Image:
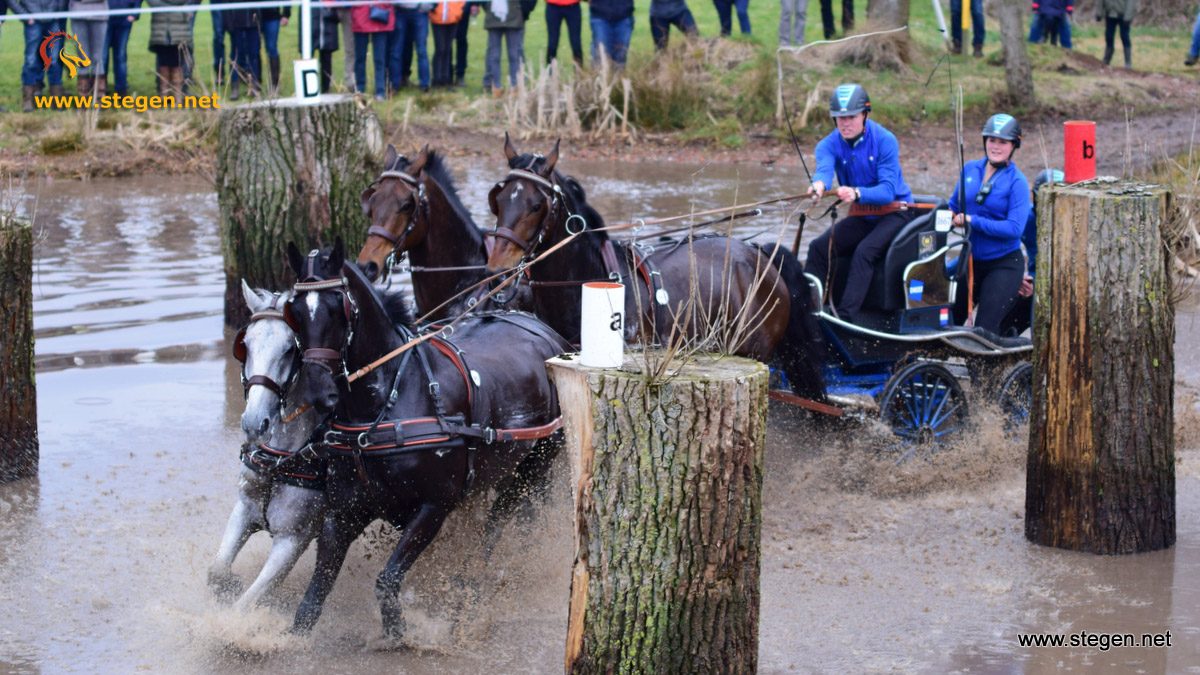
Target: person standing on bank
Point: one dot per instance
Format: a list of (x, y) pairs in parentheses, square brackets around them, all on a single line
[(92, 32), (865, 159), (977, 29), (667, 13), (827, 17), (725, 10), (117, 45), (612, 28), (558, 11), (995, 203), (1117, 14), (274, 18), (33, 72), (444, 20), (793, 14)]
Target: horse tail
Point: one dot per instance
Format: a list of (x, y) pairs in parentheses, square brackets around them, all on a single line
[(799, 354)]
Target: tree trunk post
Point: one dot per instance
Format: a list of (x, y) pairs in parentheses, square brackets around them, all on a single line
[(18, 388), (1018, 73), (1101, 467), (288, 171), (667, 480)]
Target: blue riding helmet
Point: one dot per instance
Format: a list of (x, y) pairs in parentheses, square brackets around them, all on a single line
[(1047, 176), (849, 99)]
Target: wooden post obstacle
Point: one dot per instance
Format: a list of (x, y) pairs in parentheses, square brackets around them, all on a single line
[(18, 388), (290, 171), (667, 480), (1101, 464)]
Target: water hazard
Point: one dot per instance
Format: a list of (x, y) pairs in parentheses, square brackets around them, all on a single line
[(866, 566)]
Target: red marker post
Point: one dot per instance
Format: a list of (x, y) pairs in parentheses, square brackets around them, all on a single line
[(1079, 151)]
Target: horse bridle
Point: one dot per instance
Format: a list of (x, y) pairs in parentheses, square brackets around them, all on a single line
[(418, 190), (239, 352), (323, 356), (552, 192)]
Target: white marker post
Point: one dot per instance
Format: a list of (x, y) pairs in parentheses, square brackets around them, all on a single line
[(307, 71), (602, 329)]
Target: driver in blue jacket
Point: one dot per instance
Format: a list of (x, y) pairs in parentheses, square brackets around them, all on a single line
[(865, 159), (996, 206)]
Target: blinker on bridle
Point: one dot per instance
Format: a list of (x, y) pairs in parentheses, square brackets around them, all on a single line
[(552, 192), (324, 356), (239, 353)]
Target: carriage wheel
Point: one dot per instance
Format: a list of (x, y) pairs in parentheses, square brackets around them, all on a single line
[(923, 404), (1015, 396)]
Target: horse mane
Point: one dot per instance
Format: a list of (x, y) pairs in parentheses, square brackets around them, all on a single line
[(395, 304), (435, 166), (573, 193)]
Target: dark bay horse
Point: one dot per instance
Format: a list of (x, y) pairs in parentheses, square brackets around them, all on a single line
[(757, 297), (414, 209), (414, 437)]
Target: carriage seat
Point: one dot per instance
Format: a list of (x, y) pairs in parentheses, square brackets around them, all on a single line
[(887, 293)]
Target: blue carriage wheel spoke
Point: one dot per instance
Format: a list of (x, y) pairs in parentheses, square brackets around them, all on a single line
[(937, 418), (943, 418)]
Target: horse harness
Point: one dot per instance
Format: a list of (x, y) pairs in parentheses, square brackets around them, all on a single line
[(552, 192), (239, 352), (422, 206)]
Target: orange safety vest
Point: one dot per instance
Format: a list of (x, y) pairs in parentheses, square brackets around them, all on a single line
[(447, 13)]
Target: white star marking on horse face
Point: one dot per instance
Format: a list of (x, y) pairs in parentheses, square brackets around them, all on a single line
[(516, 191), (311, 299)]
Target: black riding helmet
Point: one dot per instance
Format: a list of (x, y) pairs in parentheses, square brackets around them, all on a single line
[(849, 99), (1004, 127)]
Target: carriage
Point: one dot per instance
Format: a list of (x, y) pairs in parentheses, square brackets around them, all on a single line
[(903, 358)]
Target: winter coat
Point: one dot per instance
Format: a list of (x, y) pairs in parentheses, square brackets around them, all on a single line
[(88, 6), (123, 4), (1118, 9), (36, 6), (998, 223), (1053, 8), (325, 27), (612, 10), (360, 19), (238, 19), (275, 13), (514, 18), (170, 28), (447, 13), (872, 165)]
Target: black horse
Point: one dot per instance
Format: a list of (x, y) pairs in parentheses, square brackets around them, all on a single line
[(414, 208), (413, 437), (756, 298)]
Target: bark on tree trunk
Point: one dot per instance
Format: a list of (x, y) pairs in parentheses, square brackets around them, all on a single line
[(668, 513), (290, 172), (1101, 469), (18, 390), (1018, 74), (888, 13)]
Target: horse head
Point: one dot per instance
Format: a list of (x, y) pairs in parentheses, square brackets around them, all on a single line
[(391, 204), (270, 361), (526, 204), (322, 313)]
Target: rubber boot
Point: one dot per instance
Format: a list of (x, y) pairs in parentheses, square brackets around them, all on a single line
[(177, 85), (163, 81), (977, 51), (1129, 57), (235, 90), (27, 93), (83, 86), (274, 66), (101, 88), (57, 90), (1108, 52), (955, 48)]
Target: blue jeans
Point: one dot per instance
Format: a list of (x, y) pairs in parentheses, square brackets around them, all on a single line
[(245, 53), (414, 26), (977, 29), (218, 43), (119, 28), (660, 27), (613, 36), (723, 15), (514, 40), (1044, 24), (378, 42), (1195, 51), (270, 33), (33, 69)]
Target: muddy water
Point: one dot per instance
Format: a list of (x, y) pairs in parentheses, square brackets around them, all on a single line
[(865, 566)]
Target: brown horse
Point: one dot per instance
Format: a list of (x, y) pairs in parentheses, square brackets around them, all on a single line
[(701, 286), (415, 210)]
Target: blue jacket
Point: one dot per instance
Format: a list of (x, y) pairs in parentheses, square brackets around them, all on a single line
[(998, 223), (872, 165)]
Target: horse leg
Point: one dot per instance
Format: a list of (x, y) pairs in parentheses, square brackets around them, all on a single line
[(332, 545), (294, 516), (244, 520), (418, 533)]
